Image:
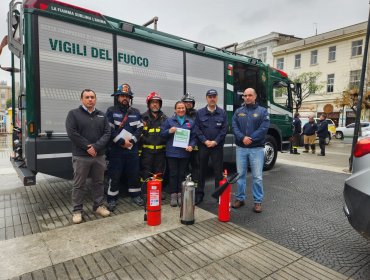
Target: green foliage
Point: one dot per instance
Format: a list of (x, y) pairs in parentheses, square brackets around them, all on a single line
[(309, 86), (8, 103)]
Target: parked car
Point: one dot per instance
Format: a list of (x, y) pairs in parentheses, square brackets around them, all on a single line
[(331, 128), (343, 131), (357, 189)]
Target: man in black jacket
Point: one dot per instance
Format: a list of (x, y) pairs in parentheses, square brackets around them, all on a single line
[(297, 130), (322, 132), (89, 132)]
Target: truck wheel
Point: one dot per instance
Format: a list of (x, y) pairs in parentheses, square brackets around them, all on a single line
[(270, 152)]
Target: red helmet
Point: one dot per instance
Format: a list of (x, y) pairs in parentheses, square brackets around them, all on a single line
[(153, 96)]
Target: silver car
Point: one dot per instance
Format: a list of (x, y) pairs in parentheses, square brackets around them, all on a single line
[(357, 189)]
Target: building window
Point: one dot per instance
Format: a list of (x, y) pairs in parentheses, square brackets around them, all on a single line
[(262, 54), (357, 48), (330, 83), (314, 57), (332, 53), (250, 53), (354, 79), (280, 63), (297, 61)]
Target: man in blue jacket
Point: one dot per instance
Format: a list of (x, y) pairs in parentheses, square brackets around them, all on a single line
[(211, 128), (322, 132), (250, 125), (126, 128)]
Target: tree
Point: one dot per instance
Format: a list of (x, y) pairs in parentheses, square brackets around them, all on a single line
[(8, 103), (349, 99), (309, 86)]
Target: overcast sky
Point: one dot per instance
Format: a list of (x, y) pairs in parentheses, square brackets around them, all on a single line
[(222, 22)]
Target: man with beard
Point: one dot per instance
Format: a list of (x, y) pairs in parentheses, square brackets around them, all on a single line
[(126, 128), (153, 146)]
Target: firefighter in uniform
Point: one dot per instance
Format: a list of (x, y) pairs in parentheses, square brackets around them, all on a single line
[(153, 146), (189, 102), (126, 128)]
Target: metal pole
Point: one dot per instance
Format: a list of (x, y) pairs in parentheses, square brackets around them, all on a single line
[(154, 21), (360, 94)]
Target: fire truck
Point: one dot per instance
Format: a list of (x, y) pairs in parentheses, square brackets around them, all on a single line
[(60, 49)]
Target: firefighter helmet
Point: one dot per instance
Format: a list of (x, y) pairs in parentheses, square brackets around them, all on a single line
[(188, 98), (124, 89), (153, 96)]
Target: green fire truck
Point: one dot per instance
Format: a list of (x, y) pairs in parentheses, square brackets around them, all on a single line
[(59, 49)]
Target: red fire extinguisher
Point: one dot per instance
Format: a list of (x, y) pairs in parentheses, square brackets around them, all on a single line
[(154, 201), (224, 200)]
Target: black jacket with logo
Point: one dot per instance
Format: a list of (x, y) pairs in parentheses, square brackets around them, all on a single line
[(84, 128)]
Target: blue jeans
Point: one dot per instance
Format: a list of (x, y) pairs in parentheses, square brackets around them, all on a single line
[(255, 157)]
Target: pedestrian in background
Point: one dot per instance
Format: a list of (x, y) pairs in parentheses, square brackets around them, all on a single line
[(309, 135), (89, 131), (250, 125), (211, 128), (126, 128), (177, 157), (322, 132), (297, 130)]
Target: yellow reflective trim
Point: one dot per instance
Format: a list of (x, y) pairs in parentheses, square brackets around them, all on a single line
[(152, 147), (157, 130), (151, 130), (145, 128)]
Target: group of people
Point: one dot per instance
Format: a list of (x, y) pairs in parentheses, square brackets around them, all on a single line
[(139, 145), (311, 130)]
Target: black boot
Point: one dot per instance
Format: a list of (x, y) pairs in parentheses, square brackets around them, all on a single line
[(306, 148), (296, 151), (313, 148)]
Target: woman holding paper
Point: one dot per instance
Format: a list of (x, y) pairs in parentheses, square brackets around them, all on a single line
[(179, 132)]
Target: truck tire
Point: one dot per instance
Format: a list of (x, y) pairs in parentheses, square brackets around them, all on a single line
[(270, 152)]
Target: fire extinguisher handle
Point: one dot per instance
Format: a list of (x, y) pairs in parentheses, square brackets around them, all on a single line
[(232, 179)]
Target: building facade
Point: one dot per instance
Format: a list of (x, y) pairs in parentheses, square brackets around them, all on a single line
[(337, 55), (262, 47), (5, 94)]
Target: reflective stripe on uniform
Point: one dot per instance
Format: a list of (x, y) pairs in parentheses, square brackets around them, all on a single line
[(152, 147), (134, 190), (111, 125), (109, 192), (152, 130)]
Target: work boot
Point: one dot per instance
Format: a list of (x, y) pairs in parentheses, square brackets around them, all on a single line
[(102, 211), (237, 204), (137, 200), (306, 148), (295, 151), (179, 199), (313, 148), (112, 205), (77, 217), (257, 208), (173, 201)]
